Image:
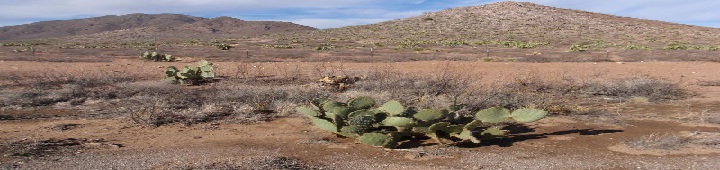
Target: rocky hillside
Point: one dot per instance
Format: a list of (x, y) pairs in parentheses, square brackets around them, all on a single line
[(145, 25), (521, 21)]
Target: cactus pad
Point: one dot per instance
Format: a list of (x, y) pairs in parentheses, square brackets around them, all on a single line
[(528, 115), (399, 122), (445, 127), (317, 103), (468, 135), (473, 125), (331, 105), (324, 124), (428, 115), (493, 115), (357, 113), (493, 131), (307, 111), (420, 129), (361, 103), (356, 130), (342, 111), (378, 139), (393, 107)]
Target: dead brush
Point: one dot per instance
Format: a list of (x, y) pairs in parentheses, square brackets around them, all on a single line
[(709, 83), (676, 141), (50, 89), (338, 83), (656, 141), (654, 89)]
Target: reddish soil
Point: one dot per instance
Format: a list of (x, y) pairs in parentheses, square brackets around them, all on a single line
[(558, 142)]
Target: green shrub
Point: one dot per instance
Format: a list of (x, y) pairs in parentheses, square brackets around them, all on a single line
[(708, 48), (635, 47), (277, 46), (678, 45), (521, 44), (453, 43), (579, 48), (325, 47), (591, 45)]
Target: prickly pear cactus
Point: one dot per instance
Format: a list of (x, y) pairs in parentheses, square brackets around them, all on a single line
[(154, 56), (191, 75), (391, 123)]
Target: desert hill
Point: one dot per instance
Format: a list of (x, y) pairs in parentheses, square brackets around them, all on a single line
[(145, 25), (503, 24), (522, 21)]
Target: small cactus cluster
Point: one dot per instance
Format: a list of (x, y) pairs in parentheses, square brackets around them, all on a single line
[(223, 46), (387, 125), (154, 56), (191, 75), (338, 82)]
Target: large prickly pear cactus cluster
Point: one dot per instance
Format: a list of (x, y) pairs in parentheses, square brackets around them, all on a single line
[(391, 123), (154, 56), (191, 75)]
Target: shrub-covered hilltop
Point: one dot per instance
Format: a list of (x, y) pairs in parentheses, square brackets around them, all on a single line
[(516, 25)]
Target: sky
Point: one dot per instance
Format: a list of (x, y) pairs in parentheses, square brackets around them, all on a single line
[(338, 13)]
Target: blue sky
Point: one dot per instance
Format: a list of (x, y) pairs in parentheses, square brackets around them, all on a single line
[(338, 13)]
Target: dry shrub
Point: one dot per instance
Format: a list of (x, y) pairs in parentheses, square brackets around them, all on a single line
[(228, 101), (52, 88), (562, 95), (676, 141), (648, 87), (655, 141), (161, 103), (447, 86), (709, 83)]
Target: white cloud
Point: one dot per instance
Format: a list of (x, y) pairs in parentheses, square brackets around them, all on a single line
[(379, 16), (18, 11), (333, 23), (68, 8)]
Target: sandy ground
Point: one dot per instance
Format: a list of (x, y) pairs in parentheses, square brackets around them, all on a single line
[(560, 142)]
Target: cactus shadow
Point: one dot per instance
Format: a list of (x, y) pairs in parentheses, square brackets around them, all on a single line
[(6, 117), (516, 134), (414, 142)]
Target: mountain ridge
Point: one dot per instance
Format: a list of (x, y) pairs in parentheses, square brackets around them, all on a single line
[(179, 23), (523, 21), (474, 25)]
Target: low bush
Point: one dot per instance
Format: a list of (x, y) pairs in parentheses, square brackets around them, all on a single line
[(640, 86)]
